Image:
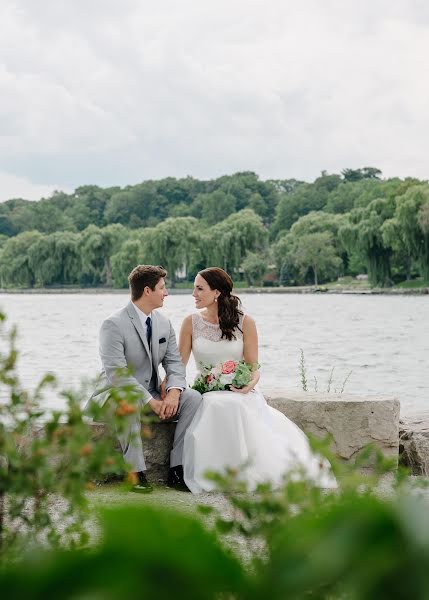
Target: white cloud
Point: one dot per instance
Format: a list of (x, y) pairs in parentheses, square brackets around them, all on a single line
[(107, 93), (12, 186)]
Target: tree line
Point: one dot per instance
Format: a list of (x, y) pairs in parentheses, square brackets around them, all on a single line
[(281, 231)]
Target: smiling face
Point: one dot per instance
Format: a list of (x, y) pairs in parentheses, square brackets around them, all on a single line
[(155, 297), (203, 294)]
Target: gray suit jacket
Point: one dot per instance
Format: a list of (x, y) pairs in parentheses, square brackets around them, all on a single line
[(123, 344)]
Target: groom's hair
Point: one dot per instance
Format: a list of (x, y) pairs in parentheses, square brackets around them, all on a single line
[(142, 276)]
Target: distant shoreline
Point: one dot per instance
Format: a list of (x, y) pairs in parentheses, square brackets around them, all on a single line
[(253, 290)]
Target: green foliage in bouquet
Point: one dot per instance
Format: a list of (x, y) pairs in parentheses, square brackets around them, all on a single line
[(212, 378), (200, 384), (242, 375)]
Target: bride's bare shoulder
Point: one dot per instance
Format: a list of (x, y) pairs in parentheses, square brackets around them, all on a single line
[(187, 323), (248, 322)]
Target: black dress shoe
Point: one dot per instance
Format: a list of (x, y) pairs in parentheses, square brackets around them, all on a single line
[(175, 479), (142, 486)]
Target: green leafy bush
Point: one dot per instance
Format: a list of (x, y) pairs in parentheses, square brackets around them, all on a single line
[(47, 460)]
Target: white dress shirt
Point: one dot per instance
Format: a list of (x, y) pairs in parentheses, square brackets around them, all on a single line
[(143, 316)]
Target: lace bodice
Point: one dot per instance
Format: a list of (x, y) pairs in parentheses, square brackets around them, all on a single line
[(208, 346), (211, 331)]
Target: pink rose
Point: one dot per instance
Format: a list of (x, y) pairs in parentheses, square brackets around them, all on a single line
[(209, 378), (228, 367)]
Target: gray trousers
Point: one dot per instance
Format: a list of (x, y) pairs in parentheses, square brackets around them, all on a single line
[(130, 435)]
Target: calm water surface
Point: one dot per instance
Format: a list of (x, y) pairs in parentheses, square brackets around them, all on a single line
[(383, 340)]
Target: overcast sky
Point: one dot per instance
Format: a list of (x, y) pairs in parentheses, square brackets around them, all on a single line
[(114, 92)]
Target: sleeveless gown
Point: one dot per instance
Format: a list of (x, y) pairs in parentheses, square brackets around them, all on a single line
[(231, 429)]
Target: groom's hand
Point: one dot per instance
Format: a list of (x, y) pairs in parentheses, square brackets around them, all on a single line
[(156, 406), (170, 405)]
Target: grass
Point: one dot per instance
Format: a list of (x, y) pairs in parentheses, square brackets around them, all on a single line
[(115, 494), (347, 283), (413, 284)]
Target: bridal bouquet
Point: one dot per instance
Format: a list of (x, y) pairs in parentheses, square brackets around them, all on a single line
[(222, 376)]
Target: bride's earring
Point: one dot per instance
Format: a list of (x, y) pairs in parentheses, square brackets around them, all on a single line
[(215, 299)]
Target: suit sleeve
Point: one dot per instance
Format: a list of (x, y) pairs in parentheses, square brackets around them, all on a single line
[(173, 365), (112, 353)]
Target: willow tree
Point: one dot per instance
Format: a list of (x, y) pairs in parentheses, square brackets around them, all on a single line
[(228, 242), (98, 245), (362, 232), (173, 244), (15, 268), (131, 253), (423, 219), (55, 259), (408, 230), (254, 267)]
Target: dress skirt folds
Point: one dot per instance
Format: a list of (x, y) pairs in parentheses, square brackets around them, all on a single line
[(241, 431)]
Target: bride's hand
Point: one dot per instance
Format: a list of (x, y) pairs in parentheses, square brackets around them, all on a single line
[(249, 387)]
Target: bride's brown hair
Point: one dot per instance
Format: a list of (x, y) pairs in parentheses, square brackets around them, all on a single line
[(229, 305)]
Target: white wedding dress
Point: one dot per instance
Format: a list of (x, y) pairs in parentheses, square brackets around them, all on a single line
[(240, 430)]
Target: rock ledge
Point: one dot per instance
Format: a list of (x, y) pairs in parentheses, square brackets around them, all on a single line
[(353, 421)]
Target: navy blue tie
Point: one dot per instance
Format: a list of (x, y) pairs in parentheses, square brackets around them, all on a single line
[(149, 330)]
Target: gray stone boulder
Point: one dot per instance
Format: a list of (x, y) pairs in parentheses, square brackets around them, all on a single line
[(353, 421), (414, 443), (157, 441)]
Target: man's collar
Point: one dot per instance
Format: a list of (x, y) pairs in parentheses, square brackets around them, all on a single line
[(141, 312)]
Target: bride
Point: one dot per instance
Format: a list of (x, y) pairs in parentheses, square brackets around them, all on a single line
[(237, 427)]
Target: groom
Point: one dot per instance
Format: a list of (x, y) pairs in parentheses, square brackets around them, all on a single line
[(140, 338)]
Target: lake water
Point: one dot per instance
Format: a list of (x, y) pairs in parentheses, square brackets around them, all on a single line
[(383, 340)]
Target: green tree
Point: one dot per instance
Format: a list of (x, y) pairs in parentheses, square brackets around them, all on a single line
[(173, 244), (318, 222), (315, 251), (313, 222), (407, 230), (123, 207), (264, 204), (358, 174), (15, 268), (287, 273), (44, 216), (130, 254), (227, 243), (7, 227), (363, 233), (243, 186), (352, 194), (55, 259), (306, 198), (254, 267), (213, 207), (178, 191), (137, 206), (94, 199), (97, 247)]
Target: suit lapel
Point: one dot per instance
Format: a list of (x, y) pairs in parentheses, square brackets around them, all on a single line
[(135, 319)]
